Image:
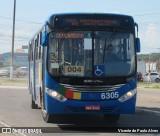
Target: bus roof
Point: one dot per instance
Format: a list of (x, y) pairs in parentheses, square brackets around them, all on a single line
[(61, 16), (92, 14)]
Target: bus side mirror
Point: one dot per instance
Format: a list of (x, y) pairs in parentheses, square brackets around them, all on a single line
[(138, 45), (43, 39)]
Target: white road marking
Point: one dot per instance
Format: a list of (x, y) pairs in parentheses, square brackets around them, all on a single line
[(10, 127), (4, 124)]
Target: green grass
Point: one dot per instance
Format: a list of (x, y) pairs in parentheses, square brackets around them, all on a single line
[(13, 82), (23, 82), (149, 85)]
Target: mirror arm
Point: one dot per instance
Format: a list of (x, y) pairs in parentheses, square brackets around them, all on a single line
[(136, 25)]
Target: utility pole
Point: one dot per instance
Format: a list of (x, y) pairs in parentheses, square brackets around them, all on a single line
[(13, 33), (158, 61), (149, 62)]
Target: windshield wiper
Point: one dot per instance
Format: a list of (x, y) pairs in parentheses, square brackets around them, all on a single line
[(61, 42), (107, 42)]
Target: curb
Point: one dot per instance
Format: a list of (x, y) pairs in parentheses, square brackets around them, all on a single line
[(143, 88), (147, 87)]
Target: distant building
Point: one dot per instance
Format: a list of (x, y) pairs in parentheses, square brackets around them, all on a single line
[(141, 67), (20, 51), (145, 67), (151, 66), (1, 60), (20, 59), (1, 57)]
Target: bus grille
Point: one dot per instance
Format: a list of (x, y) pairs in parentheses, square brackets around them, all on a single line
[(92, 88), (82, 109)]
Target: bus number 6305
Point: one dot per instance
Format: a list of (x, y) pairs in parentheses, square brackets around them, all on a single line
[(109, 95)]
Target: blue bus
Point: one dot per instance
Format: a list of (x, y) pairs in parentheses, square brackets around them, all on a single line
[(84, 64)]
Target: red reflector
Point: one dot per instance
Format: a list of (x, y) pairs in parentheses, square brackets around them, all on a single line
[(69, 93), (92, 107)]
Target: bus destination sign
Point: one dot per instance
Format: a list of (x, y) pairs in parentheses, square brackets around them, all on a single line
[(73, 22), (91, 22), (69, 35)]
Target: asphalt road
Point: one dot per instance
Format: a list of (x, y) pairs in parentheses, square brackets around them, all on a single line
[(15, 111)]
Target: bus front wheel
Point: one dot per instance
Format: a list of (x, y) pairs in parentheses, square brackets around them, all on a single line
[(48, 118), (111, 118)]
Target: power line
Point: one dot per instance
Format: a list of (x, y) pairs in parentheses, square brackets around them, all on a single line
[(15, 36), (32, 22), (38, 23), (17, 28), (1, 43), (148, 14), (17, 41), (141, 10)]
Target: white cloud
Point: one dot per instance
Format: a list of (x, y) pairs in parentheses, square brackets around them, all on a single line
[(150, 38)]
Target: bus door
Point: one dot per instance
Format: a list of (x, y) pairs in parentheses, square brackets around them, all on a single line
[(38, 69), (34, 70)]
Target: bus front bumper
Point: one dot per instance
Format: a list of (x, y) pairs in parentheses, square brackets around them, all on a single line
[(54, 106)]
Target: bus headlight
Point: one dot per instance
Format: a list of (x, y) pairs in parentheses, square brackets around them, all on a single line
[(55, 95), (128, 95)]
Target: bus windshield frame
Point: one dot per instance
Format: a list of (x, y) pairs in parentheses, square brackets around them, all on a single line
[(87, 50)]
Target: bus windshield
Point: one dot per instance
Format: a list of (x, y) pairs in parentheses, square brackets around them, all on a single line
[(91, 54)]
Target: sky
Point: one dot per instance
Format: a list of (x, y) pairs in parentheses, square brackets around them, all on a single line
[(31, 15)]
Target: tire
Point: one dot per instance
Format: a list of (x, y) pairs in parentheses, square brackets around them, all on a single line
[(111, 118), (33, 104), (48, 118), (157, 80), (18, 74)]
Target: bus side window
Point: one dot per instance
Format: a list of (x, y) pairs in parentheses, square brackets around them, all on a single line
[(32, 50), (40, 47), (29, 53), (36, 49), (40, 53)]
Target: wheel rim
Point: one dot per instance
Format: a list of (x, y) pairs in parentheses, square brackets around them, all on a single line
[(157, 80)]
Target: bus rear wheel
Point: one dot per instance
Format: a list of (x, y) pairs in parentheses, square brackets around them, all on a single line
[(33, 104), (111, 118)]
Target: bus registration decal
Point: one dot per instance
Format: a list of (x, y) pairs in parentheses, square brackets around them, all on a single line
[(69, 70), (110, 95)]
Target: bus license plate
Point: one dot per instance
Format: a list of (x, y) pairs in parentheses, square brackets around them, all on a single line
[(92, 107)]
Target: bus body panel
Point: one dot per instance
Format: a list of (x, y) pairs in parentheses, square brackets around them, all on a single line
[(78, 107), (112, 106)]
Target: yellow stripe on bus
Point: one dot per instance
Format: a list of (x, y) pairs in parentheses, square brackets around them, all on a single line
[(76, 96)]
